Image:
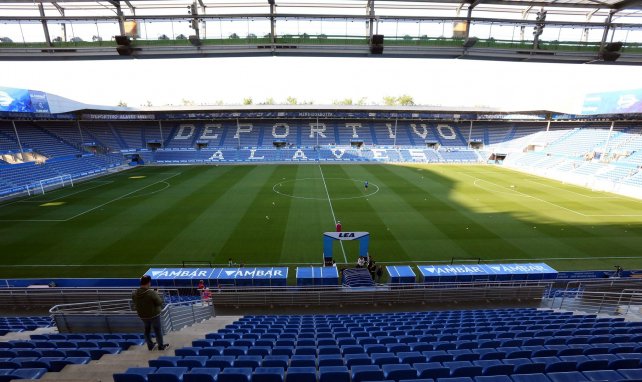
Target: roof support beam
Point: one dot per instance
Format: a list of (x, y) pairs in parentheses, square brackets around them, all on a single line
[(370, 11), (272, 21), (469, 16), (63, 26), (121, 17), (607, 27), (45, 28), (628, 4), (131, 7)]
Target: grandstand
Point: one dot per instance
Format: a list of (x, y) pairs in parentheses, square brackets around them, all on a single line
[(321, 243)]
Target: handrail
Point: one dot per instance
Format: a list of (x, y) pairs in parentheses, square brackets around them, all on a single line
[(106, 315)]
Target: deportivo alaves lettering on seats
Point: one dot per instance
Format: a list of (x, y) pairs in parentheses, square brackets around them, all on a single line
[(280, 130)]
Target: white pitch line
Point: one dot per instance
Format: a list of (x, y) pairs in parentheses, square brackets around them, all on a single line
[(121, 197), (345, 259), (526, 195), (571, 191)]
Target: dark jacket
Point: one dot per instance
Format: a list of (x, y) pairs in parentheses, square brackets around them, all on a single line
[(147, 302)]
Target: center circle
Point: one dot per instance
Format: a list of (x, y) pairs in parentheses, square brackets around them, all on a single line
[(283, 188)]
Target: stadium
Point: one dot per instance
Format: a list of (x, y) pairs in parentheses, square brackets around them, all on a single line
[(344, 240)]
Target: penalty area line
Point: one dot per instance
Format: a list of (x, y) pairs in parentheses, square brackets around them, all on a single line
[(121, 197)]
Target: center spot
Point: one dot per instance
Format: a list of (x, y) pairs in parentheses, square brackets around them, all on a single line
[(313, 188)]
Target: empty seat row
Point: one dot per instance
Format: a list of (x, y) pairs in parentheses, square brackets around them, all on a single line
[(570, 363), (472, 340), (93, 353), (7, 375), (358, 374), (89, 336), (63, 344), (49, 363)]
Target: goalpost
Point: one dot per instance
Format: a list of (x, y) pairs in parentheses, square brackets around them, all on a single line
[(56, 182)]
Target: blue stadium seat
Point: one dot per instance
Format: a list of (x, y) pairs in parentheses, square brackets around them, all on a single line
[(361, 373), (220, 362), (134, 374), (566, 376), (303, 361), (398, 372), (494, 378), (530, 378), (201, 374), (281, 361), (602, 375), (633, 374), (192, 361), (330, 360), (168, 374), (334, 374), (300, 374), (235, 374), (498, 370), (251, 361), (268, 374), (431, 370)]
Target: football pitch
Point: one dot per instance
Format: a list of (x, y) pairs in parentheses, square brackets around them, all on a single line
[(122, 224)]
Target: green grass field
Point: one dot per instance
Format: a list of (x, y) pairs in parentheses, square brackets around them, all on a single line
[(122, 224)]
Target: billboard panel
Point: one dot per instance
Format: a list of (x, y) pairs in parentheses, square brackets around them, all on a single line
[(617, 102), (23, 101)]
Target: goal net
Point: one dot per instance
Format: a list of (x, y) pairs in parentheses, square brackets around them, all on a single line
[(44, 185)]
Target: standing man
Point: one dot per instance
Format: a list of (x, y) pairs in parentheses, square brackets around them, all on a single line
[(148, 306), (366, 185), (338, 226)]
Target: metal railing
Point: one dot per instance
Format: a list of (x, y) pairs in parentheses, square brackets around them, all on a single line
[(475, 292), (623, 302), (119, 316), (48, 297)]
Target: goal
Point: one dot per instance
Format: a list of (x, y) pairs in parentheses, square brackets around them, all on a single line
[(44, 185)]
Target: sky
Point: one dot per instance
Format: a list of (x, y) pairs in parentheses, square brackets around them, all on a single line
[(510, 85)]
